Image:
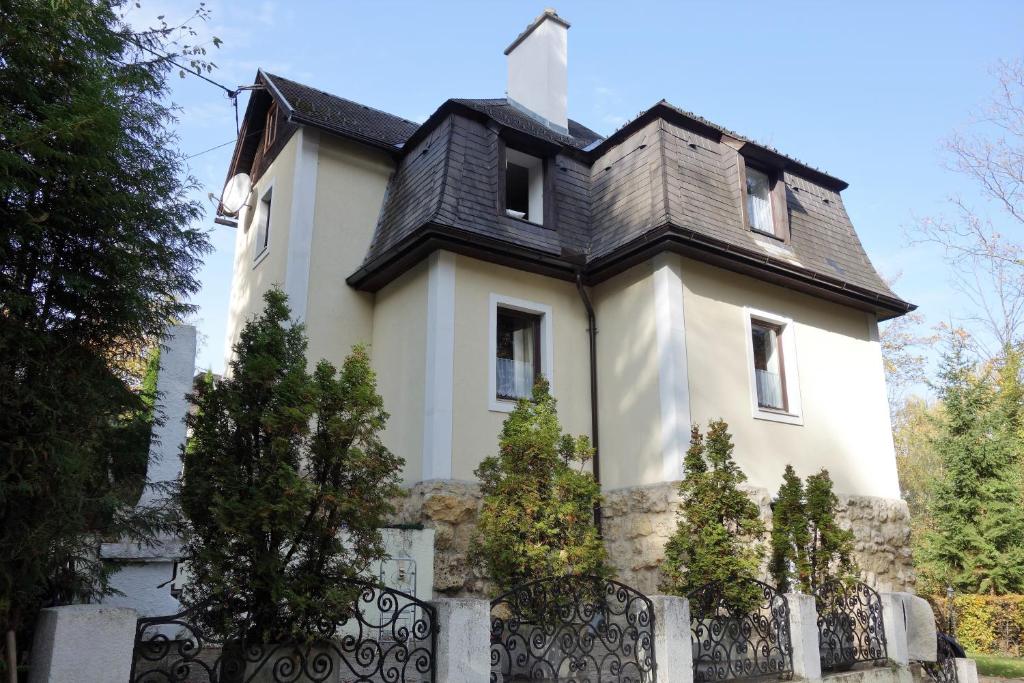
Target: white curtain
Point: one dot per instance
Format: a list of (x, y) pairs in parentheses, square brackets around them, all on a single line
[(759, 204), (515, 375), (769, 389)]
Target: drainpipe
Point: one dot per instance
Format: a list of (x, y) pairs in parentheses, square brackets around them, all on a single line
[(595, 441)]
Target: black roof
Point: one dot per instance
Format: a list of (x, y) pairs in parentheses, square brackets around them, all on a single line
[(664, 180), (338, 115)]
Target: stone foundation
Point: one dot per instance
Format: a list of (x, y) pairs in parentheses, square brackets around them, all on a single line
[(637, 523)]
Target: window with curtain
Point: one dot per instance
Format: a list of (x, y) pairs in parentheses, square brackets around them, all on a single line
[(768, 369), (518, 353), (759, 201)]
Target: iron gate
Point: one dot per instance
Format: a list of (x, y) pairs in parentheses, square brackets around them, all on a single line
[(389, 636), (850, 628), (739, 631), (585, 629)]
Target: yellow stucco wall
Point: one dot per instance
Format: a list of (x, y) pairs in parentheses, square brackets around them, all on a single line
[(629, 408), (351, 181), (399, 358), (251, 280), (475, 426), (845, 416)]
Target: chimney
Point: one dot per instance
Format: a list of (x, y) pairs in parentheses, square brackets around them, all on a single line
[(537, 70)]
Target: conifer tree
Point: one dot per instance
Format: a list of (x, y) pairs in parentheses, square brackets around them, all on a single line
[(537, 518), (286, 485), (719, 532), (790, 536), (976, 538), (830, 547)]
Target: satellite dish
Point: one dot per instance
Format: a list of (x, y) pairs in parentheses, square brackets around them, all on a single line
[(236, 194)]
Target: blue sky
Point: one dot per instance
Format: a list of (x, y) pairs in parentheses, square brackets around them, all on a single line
[(864, 90)]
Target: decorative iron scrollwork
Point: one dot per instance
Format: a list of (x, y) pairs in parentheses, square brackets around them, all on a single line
[(739, 633), (390, 636), (584, 629), (943, 669), (850, 628)]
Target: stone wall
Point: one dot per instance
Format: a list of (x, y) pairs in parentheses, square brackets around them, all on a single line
[(637, 523)]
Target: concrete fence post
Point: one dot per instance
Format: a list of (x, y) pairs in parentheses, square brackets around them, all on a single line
[(966, 670), (83, 643), (464, 640), (803, 634), (895, 621), (922, 641), (673, 652)]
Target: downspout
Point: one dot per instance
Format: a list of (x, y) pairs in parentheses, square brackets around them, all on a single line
[(595, 440)]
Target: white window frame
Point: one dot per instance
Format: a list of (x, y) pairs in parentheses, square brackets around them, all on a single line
[(497, 301), (258, 256), (791, 376), (535, 190)]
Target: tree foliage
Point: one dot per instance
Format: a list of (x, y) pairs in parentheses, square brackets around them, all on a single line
[(719, 532), (97, 257), (809, 548), (537, 518), (976, 537), (286, 485)]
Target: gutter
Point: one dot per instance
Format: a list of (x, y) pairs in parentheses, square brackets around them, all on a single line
[(594, 435)]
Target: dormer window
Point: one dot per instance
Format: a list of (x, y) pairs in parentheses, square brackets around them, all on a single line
[(524, 186), (764, 201), (759, 201)]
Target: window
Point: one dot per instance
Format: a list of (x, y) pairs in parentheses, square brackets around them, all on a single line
[(759, 201), (517, 356), (771, 393), (263, 226), (771, 357), (270, 128), (520, 350), (524, 186)]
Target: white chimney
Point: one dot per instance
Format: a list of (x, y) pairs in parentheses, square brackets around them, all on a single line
[(537, 70)]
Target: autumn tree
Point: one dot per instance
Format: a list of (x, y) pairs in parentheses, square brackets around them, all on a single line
[(537, 518), (286, 486)]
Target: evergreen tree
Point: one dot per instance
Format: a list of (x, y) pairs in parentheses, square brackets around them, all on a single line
[(718, 536), (97, 257), (537, 516), (976, 537), (286, 485), (830, 547), (790, 536)]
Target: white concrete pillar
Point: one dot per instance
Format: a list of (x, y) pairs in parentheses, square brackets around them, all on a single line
[(177, 368), (673, 651), (921, 632), (464, 640), (966, 670), (803, 634), (895, 622), (83, 643)]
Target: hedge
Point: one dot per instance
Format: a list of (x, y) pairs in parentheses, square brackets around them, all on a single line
[(986, 624)]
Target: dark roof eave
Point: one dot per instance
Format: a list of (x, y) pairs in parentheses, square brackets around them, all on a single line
[(296, 117), (375, 274)]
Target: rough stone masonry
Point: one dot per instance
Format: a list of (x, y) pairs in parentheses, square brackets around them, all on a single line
[(637, 523)]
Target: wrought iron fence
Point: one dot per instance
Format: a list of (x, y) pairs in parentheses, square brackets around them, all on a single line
[(943, 669), (850, 628), (389, 636), (585, 629), (740, 631)]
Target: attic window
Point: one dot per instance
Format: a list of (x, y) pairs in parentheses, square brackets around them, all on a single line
[(270, 128), (524, 186), (764, 200)]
